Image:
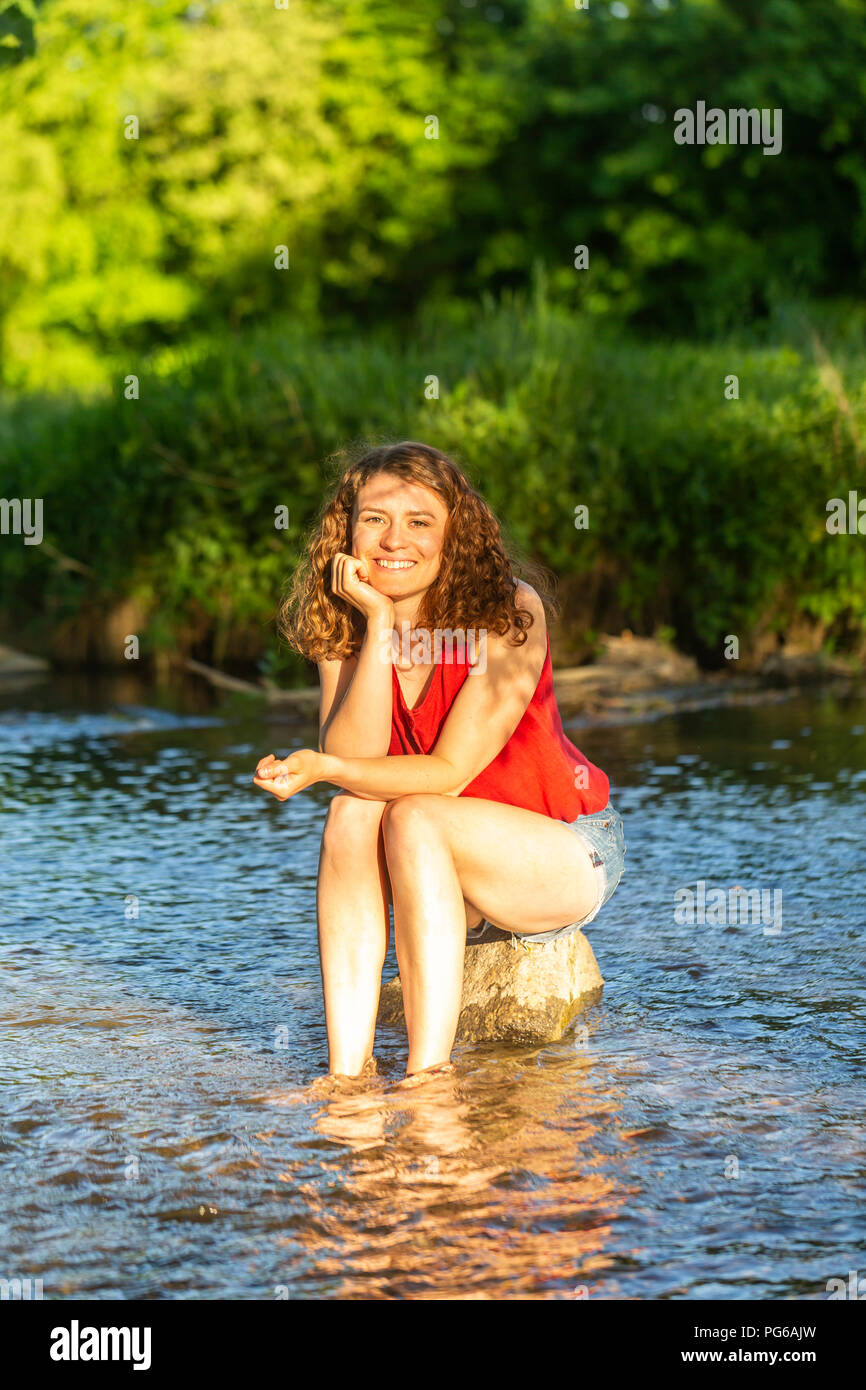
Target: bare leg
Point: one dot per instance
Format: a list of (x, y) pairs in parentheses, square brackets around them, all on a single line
[(520, 870), (353, 897), (352, 908), (430, 919)]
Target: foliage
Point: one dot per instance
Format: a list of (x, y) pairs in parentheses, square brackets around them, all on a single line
[(709, 513), (306, 127)]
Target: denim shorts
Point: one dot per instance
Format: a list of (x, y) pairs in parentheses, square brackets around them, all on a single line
[(602, 833)]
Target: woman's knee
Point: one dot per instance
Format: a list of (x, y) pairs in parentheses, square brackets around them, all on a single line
[(407, 817), (352, 826)]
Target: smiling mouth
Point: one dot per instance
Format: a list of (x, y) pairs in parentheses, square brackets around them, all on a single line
[(395, 564)]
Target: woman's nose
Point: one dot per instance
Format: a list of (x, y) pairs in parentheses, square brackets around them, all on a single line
[(393, 539)]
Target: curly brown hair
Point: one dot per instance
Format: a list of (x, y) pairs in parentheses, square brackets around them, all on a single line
[(476, 585)]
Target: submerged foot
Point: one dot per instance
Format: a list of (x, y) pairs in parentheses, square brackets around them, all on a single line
[(417, 1078), (333, 1083)]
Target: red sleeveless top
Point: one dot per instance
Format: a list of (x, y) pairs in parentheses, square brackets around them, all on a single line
[(538, 769)]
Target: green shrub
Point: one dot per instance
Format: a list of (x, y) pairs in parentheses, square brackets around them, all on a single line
[(710, 513)]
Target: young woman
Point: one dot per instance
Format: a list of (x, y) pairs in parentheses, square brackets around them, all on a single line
[(462, 802)]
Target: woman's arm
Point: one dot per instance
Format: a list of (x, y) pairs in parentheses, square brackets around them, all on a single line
[(356, 695), (482, 719)]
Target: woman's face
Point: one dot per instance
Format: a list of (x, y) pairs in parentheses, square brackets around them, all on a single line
[(398, 528)]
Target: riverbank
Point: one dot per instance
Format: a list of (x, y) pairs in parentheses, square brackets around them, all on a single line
[(637, 680)]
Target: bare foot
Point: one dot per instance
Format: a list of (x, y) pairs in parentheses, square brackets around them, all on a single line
[(417, 1078), (333, 1083)]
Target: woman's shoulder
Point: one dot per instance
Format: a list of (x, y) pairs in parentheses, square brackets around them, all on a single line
[(527, 598), (533, 647)]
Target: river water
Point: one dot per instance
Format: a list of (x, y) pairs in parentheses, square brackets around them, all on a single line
[(697, 1134)]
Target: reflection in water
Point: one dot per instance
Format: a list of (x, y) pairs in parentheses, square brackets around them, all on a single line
[(698, 1134), (485, 1199)]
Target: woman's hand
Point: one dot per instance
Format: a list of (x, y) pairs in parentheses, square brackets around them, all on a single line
[(350, 579), (285, 776)]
